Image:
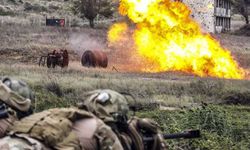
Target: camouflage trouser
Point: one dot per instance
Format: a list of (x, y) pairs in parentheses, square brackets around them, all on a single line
[(20, 142)]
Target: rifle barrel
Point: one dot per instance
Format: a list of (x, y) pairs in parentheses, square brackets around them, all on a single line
[(186, 135)]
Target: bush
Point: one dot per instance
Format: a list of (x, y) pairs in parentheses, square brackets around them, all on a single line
[(4, 11), (210, 118), (27, 6), (206, 87), (35, 7), (13, 1), (218, 129), (54, 87), (53, 6), (236, 97), (245, 30)]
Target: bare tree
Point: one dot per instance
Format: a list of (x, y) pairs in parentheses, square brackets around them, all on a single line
[(107, 7), (90, 8), (241, 6)]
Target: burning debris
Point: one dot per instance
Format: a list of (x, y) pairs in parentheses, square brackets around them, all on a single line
[(166, 38), (92, 58), (56, 58)]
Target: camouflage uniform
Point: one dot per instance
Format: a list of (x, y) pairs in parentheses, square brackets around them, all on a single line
[(15, 102), (73, 129), (20, 142), (64, 128), (112, 108)]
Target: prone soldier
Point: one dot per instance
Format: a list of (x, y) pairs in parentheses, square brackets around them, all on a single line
[(100, 122), (112, 107), (134, 133), (62, 128), (15, 102)]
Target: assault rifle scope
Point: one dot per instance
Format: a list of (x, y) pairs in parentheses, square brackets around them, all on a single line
[(186, 135)]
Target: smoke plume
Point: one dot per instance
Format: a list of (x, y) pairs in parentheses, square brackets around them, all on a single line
[(80, 42)]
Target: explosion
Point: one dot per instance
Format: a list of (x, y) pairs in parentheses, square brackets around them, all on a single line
[(170, 40), (115, 32)]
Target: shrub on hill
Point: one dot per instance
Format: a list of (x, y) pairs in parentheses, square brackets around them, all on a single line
[(6, 11), (34, 7), (245, 30)]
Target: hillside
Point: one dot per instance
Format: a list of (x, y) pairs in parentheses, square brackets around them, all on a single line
[(36, 7), (24, 36), (30, 12), (177, 101), (34, 12)]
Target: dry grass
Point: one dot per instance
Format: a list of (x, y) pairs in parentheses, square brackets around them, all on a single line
[(239, 46), (170, 90), (34, 12), (173, 92), (21, 46), (27, 44)]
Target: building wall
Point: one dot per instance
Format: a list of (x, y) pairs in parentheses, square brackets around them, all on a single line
[(203, 13), (212, 15)]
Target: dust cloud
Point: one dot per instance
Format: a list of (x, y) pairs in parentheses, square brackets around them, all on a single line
[(80, 42)]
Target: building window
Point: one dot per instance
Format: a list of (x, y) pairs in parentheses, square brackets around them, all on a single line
[(217, 3), (217, 21), (220, 3)]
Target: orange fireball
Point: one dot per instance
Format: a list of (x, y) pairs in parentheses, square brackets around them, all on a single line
[(115, 33), (170, 40)]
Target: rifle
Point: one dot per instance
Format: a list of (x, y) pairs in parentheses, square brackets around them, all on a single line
[(186, 135)]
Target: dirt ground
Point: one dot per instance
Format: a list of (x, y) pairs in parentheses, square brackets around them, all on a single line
[(21, 44), (174, 92)]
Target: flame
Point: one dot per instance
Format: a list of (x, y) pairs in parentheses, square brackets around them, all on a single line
[(115, 33), (170, 40)]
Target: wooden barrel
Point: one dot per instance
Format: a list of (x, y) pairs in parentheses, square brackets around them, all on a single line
[(94, 58)]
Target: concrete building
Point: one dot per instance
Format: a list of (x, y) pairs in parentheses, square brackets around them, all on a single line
[(213, 15)]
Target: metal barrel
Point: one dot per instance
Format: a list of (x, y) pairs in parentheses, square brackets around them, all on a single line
[(94, 58)]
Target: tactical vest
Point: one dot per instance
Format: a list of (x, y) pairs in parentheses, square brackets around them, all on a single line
[(52, 127)]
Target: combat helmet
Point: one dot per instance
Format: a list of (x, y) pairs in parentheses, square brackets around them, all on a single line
[(108, 105), (16, 95)]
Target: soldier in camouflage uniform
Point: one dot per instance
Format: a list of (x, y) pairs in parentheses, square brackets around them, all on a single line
[(74, 128), (61, 129), (112, 108), (15, 102), (64, 128)]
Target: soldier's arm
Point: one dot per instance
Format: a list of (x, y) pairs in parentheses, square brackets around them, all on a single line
[(13, 100), (107, 138)]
